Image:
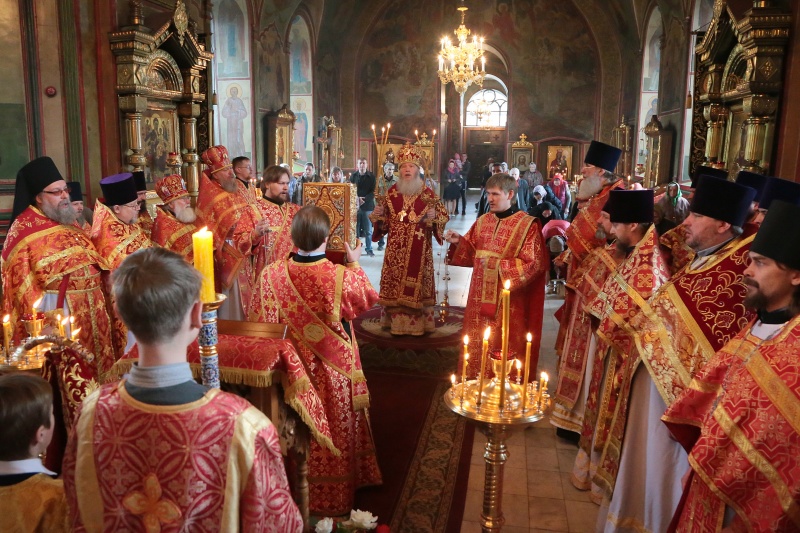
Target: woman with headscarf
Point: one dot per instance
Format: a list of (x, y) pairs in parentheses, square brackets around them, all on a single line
[(560, 189), (675, 206), (543, 193), (452, 191)]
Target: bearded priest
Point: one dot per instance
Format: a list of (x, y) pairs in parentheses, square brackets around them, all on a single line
[(412, 215), (175, 218)]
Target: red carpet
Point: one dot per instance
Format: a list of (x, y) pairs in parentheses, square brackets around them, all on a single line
[(423, 451)]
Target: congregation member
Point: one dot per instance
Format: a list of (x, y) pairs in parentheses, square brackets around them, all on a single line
[(309, 176), (452, 190), (81, 211), (545, 212), (365, 190), (237, 228), (688, 320), (144, 220), (175, 217), (580, 343), (242, 170), (533, 176), (46, 256), (31, 499), (382, 188), (504, 244), (640, 274), (523, 196), (153, 424), (337, 175), (318, 300), (412, 216), (483, 205), (735, 418), (560, 189), (466, 168)]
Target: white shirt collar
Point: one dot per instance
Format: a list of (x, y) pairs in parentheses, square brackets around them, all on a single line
[(24, 466)]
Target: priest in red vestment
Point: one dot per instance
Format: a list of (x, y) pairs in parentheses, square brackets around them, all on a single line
[(46, 256), (412, 215), (158, 451), (318, 300), (116, 235), (76, 198), (175, 218), (677, 331), (598, 179), (504, 244), (737, 418), (278, 212), (237, 225)]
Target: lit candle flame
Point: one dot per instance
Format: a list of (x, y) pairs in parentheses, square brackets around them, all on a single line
[(6, 319), (507, 284), (544, 376), (65, 321), (453, 379), (529, 337), (487, 333), (71, 320), (466, 340), (37, 303), (373, 127), (518, 365), (75, 333)]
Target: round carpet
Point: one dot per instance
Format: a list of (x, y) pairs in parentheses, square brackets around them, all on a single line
[(447, 333)]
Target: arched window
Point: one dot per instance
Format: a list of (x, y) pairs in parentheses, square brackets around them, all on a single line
[(301, 88), (651, 69), (489, 108)]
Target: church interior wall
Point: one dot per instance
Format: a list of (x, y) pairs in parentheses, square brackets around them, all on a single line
[(787, 164)]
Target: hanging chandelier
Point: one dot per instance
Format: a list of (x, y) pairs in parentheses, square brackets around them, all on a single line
[(481, 112), (458, 63)]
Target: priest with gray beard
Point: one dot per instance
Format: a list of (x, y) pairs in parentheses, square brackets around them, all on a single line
[(175, 218), (46, 256)]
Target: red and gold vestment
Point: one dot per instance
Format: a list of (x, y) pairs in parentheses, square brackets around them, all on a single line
[(690, 318), (739, 420), (314, 299), (586, 281), (172, 234), (210, 465), (116, 240), (500, 249), (146, 222), (42, 256), (678, 253), (84, 226), (220, 212), (36, 504), (408, 292), (617, 307), (278, 244)]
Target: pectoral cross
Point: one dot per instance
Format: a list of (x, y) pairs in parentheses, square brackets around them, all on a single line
[(402, 215)]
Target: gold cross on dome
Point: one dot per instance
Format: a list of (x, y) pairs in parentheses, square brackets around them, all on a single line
[(523, 137)]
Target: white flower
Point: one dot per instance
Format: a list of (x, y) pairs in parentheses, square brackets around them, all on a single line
[(363, 519), (324, 526)]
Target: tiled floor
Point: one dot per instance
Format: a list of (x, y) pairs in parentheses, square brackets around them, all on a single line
[(537, 493)]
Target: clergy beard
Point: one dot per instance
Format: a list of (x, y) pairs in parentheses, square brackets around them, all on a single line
[(186, 215), (409, 187), (600, 233), (63, 214), (590, 186), (754, 299), (228, 185)]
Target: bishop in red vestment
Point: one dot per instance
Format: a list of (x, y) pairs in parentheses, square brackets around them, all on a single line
[(504, 244), (175, 218), (412, 215), (318, 300), (737, 418), (46, 256)]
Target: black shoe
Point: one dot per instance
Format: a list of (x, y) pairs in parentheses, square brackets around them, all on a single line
[(370, 253), (455, 213), (569, 436), (380, 247)]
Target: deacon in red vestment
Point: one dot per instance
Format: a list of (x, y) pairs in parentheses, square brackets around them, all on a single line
[(318, 300), (685, 322), (237, 226), (737, 418), (412, 215), (278, 212), (46, 256), (175, 218), (157, 451), (598, 179), (504, 244), (116, 235), (76, 198)]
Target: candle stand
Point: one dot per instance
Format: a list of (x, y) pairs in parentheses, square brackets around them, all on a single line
[(209, 358)]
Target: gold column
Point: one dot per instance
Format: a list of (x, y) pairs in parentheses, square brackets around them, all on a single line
[(133, 133), (758, 131), (716, 117), (191, 168)]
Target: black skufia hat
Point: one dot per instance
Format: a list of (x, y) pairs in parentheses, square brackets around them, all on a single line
[(119, 189), (722, 200), (75, 192), (754, 181), (779, 235), (630, 206), (32, 179), (779, 189), (138, 179), (602, 155), (703, 170)]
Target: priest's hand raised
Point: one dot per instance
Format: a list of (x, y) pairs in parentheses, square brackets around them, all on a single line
[(452, 236), (352, 254)]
